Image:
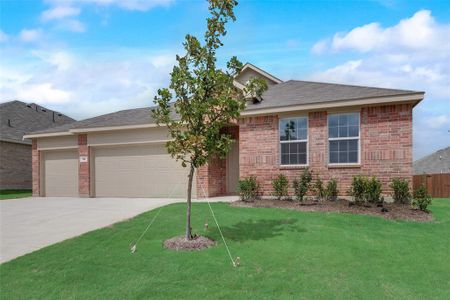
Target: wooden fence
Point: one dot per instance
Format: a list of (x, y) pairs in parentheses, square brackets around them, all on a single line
[(438, 185)]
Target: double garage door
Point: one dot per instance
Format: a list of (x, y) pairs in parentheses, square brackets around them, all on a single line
[(122, 171)]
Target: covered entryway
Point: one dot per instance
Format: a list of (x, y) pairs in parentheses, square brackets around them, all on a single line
[(233, 168), (137, 171), (60, 168)]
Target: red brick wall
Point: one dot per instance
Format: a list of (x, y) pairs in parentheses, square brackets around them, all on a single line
[(386, 148), (213, 175), (35, 166), (83, 167)]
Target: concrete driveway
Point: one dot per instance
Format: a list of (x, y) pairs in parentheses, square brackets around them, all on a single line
[(29, 224)]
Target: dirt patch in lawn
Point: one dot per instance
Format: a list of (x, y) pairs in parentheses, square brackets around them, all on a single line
[(181, 243), (390, 211)]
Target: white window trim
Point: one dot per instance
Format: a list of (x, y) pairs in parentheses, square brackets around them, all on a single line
[(294, 141), (344, 139)]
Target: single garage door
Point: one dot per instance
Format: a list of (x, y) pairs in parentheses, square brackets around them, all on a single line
[(138, 171), (61, 173)]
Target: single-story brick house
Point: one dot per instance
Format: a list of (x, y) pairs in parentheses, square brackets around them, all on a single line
[(336, 130), (17, 118)]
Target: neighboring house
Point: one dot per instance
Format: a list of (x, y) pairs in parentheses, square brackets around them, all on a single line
[(336, 130), (435, 163), (18, 118)]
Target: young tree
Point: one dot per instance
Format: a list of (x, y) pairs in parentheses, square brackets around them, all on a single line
[(201, 99)]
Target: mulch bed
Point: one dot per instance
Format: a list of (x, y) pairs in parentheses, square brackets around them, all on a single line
[(181, 243), (394, 211)]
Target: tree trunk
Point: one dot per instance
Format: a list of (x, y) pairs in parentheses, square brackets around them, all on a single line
[(188, 211)]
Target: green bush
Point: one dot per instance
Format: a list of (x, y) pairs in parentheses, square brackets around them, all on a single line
[(358, 189), (373, 190), (280, 186), (319, 189), (421, 198), (401, 193), (301, 185), (331, 190), (365, 189), (248, 188)]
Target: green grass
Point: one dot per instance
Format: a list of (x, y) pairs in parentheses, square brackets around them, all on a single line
[(284, 255), (13, 194)]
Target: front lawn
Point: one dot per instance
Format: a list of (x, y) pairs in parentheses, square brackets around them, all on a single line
[(13, 194), (284, 254)]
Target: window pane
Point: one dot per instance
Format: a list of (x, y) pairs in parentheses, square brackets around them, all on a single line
[(353, 157), (283, 133), (334, 157), (343, 146), (343, 131), (293, 148), (343, 157), (291, 130), (302, 135), (293, 159), (353, 119), (334, 146), (343, 121), (284, 148), (302, 159), (353, 131), (333, 132), (301, 123), (302, 147), (285, 159), (333, 120), (353, 145)]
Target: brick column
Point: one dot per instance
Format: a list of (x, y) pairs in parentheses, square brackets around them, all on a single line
[(83, 167), (35, 164)]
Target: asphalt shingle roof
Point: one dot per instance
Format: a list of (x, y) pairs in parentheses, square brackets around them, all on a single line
[(435, 163), (284, 94), (296, 92), (24, 118)]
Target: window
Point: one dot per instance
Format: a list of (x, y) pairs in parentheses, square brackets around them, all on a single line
[(343, 138), (293, 141)]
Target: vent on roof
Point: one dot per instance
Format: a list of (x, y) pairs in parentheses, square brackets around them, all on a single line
[(43, 109), (29, 105), (9, 123)]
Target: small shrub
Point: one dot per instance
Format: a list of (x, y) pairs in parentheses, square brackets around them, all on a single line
[(358, 189), (365, 190), (248, 188), (421, 198), (373, 190), (302, 185), (280, 186), (401, 193), (331, 190), (319, 189)]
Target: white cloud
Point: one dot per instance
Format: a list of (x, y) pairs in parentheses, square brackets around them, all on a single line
[(30, 35), (44, 93), (72, 25), (85, 85), (3, 36), (59, 12), (413, 54), (417, 33)]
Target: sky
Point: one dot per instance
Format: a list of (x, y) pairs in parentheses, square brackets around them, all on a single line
[(89, 57)]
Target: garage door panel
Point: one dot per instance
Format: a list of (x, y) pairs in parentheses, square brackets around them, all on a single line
[(61, 173), (138, 171)]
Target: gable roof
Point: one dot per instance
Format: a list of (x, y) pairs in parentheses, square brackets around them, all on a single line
[(435, 163), (281, 96), (260, 72), (18, 118)]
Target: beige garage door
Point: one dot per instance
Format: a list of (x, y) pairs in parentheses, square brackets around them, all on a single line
[(138, 171), (61, 173)]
